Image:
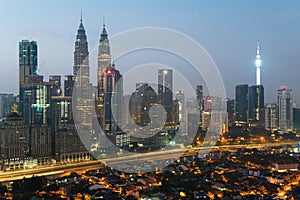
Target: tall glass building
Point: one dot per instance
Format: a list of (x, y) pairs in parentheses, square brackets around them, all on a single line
[(241, 103), (28, 65), (165, 94), (285, 109), (28, 59), (256, 105)]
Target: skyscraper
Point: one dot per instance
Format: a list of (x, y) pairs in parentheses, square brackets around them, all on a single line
[(104, 61), (28, 65), (258, 64), (199, 94), (256, 113), (285, 109), (113, 102), (81, 52), (165, 94), (271, 119), (36, 100), (104, 57), (28, 60), (230, 111), (82, 91), (140, 103), (241, 103)]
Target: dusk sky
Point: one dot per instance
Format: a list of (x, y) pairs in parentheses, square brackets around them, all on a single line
[(228, 30)]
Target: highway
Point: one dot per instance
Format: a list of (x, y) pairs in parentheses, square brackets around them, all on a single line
[(140, 157)]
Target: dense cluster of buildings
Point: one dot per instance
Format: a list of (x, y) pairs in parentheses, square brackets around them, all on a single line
[(54, 121), (58, 120)]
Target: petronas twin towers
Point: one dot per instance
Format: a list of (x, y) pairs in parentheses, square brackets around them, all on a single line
[(107, 77)]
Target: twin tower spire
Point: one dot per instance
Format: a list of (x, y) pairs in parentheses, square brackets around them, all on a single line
[(81, 49)]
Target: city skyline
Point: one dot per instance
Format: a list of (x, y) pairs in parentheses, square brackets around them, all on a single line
[(55, 38), (140, 100)]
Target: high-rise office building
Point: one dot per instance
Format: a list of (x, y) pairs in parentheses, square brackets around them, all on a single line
[(165, 93), (140, 103), (296, 119), (66, 145), (214, 115), (256, 113), (230, 111), (285, 109), (271, 118), (199, 94), (112, 115), (28, 60), (165, 85), (36, 100), (61, 112), (113, 101), (241, 103), (28, 65)]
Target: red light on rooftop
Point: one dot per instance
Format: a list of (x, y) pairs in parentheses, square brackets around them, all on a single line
[(109, 72), (208, 100), (283, 87)]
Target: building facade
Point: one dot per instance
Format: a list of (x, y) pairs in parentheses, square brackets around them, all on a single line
[(241, 104), (285, 109), (271, 118), (14, 148), (6, 104), (28, 66), (82, 90), (165, 95), (256, 113), (140, 103), (113, 102)]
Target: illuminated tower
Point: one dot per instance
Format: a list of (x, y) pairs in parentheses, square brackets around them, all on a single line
[(113, 101), (28, 65), (104, 61), (165, 94), (104, 57), (258, 64), (82, 91), (27, 60), (81, 52)]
